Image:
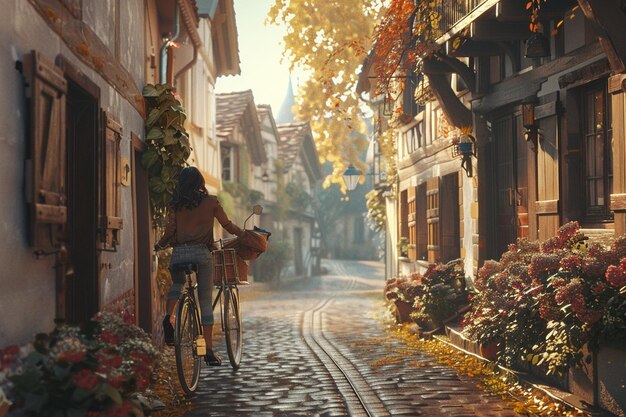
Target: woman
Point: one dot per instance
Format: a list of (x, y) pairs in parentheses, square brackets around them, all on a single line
[(190, 232)]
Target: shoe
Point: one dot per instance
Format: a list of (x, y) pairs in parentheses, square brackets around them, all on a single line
[(168, 331), (212, 359)]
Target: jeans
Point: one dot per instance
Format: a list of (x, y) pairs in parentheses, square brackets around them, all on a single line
[(200, 255)]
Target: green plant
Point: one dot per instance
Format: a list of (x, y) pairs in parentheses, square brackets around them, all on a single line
[(269, 267), (300, 199), (403, 246), (167, 145), (443, 293), (89, 371), (242, 195)]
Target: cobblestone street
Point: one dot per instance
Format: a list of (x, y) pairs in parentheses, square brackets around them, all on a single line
[(308, 349)]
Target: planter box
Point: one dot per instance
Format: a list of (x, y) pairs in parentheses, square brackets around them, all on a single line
[(611, 378), (403, 311), (4, 408)]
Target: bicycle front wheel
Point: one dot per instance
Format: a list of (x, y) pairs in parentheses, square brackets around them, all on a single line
[(233, 331), (186, 331)]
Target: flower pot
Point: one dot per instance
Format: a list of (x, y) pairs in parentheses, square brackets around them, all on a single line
[(489, 351), (4, 407), (403, 311)]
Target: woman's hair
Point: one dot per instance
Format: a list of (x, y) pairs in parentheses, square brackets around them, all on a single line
[(190, 189)]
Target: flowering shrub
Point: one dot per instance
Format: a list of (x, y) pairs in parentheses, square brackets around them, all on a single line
[(544, 302), (443, 293), (404, 288), (85, 372)]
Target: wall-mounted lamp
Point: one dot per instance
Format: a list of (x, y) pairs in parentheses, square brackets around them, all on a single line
[(528, 120), (537, 46), (351, 177), (265, 177), (465, 149)]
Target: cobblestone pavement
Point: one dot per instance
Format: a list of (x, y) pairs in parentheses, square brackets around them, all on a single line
[(286, 370)]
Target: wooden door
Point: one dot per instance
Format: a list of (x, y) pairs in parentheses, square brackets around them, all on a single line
[(82, 271), (449, 209), (511, 182)]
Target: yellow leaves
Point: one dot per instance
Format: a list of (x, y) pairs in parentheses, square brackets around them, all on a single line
[(386, 361), (525, 401)]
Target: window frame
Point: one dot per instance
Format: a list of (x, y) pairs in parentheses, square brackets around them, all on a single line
[(599, 213)]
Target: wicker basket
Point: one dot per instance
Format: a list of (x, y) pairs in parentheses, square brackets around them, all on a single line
[(226, 261)]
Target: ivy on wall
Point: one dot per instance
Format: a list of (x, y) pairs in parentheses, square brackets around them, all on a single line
[(167, 146)]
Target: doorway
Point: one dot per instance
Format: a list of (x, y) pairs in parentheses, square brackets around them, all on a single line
[(511, 181), (297, 250), (81, 269)]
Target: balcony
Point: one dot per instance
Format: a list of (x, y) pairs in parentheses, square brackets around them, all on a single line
[(458, 14)]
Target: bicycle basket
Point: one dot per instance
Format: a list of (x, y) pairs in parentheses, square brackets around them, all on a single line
[(227, 264)]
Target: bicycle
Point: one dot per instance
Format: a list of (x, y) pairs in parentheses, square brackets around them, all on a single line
[(189, 343), (226, 278)]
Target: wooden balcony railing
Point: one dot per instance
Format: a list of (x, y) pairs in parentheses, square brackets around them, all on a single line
[(456, 14)]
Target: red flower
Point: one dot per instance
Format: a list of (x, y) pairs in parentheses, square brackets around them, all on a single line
[(108, 337), (110, 361), (86, 379), (73, 356), (616, 275)]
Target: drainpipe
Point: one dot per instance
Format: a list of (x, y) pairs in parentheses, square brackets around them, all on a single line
[(167, 43)]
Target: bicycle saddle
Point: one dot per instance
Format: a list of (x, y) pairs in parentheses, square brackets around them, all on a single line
[(186, 267)]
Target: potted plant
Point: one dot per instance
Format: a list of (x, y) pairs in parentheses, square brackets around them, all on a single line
[(93, 370), (400, 292), (442, 295)]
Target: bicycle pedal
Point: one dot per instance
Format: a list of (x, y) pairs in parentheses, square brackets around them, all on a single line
[(200, 346)]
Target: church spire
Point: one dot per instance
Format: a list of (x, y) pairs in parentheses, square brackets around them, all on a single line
[(285, 114)]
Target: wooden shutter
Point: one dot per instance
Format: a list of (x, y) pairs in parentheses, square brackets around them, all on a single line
[(421, 222), (432, 218), (45, 163), (412, 224), (404, 216), (111, 204), (449, 214)]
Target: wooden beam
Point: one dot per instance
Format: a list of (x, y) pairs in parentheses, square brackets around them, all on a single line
[(465, 72), (608, 19), (515, 11), (456, 112), (492, 30), (474, 48)]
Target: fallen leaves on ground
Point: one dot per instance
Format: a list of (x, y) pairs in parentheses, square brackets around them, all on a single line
[(523, 400), (167, 388)]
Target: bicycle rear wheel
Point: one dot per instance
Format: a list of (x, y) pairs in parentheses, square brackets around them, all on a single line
[(233, 331), (186, 331)]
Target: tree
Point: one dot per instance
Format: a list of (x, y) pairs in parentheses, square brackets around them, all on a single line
[(328, 41)]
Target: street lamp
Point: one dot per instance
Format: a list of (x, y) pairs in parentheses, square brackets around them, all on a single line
[(351, 177), (265, 177)]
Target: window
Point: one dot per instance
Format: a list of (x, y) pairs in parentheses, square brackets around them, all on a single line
[(412, 139), (596, 147), (228, 163)]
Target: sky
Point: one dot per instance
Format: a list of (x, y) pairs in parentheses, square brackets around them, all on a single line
[(260, 49)]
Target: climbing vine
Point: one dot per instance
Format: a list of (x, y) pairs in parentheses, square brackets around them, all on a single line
[(167, 146)]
